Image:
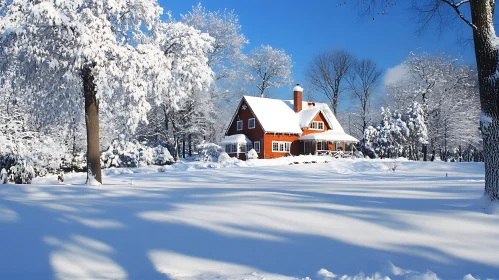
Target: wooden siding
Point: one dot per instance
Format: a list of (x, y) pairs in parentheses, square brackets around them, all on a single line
[(254, 134), (318, 118), (269, 137)]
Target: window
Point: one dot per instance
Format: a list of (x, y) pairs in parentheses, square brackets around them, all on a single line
[(231, 148), (249, 146), (322, 146), (280, 146), (316, 125), (256, 146), (251, 123), (239, 125)]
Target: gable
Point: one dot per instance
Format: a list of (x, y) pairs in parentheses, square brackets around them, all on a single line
[(244, 113), (311, 109)]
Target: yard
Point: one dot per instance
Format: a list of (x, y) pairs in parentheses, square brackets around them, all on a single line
[(351, 218)]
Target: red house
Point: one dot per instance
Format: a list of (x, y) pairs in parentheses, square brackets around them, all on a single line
[(276, 128)]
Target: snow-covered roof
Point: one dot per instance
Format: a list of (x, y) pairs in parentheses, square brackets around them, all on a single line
[(330, 136), (307, 116), (274, 115), (311, 109), (236, 139)]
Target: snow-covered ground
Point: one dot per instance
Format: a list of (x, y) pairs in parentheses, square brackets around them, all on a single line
[(270, 220)]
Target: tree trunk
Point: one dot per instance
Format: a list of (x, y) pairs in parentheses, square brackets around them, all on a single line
[(92, 123), (183, 146), (190, 145), (175, 145), (486, 53)]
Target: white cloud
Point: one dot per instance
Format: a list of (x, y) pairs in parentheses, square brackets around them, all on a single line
[(395, 74)]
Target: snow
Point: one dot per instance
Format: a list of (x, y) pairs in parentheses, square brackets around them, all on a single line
[(274, 115), (330, 136), (278, 116), (324, 108), (298, 88), (307, 116), (346, 219), (236, 139), (485, 120)]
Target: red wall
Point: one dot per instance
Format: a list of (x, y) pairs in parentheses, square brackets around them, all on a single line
[(319, 118), (255, 134), (269, 137)]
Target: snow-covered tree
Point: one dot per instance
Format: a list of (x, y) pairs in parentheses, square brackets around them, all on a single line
[(225, 59), (76, 55), (268, 68), (479, 16), (398, 134), (417, 131), (182, 105), (448, 93)]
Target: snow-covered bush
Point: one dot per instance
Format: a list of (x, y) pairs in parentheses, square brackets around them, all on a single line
[(223, 157), (209, 152), (252, 154), (22, 173), (26, 158), (124, 153), (8, 153), (77, 162), (3, 176)]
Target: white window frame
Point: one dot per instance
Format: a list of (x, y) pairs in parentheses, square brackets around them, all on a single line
[(239, 125), (249, 123), (316, 125), (241, 148), (282, 146), (249, 146), (231, 148), (324, 145), (255, 145)]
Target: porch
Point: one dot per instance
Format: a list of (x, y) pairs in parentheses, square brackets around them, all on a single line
[(336, 144)]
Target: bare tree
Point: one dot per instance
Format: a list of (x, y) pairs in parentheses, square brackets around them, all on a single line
[(363, 80), (326, 72), (479, 16), (269, 67)]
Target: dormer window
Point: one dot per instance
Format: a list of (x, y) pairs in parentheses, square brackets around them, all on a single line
[(239, 125), (316, 125)]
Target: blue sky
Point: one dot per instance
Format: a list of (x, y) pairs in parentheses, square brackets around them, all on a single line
[(305, 28)]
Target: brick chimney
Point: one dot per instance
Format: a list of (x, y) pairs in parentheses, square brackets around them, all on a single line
[(297, 97)]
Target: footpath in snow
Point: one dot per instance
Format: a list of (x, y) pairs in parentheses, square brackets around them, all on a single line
[(345, 219)]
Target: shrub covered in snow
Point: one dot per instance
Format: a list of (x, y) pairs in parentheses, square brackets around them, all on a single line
[(3, 176), (223, 157), (8, 153), (22, 173), (132, 153), (77, 162), (252, 154), (26, 158), (209, 152)]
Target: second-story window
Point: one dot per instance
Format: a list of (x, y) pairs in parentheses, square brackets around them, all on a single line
[(239, 125), (251, 123), (315, 125)]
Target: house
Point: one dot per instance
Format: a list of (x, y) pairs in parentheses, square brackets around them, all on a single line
[(276, 128)]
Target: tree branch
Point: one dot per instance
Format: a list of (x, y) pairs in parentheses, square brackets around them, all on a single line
[(456, 6)]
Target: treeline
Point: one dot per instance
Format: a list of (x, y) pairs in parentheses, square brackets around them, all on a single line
[(431, 112)]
